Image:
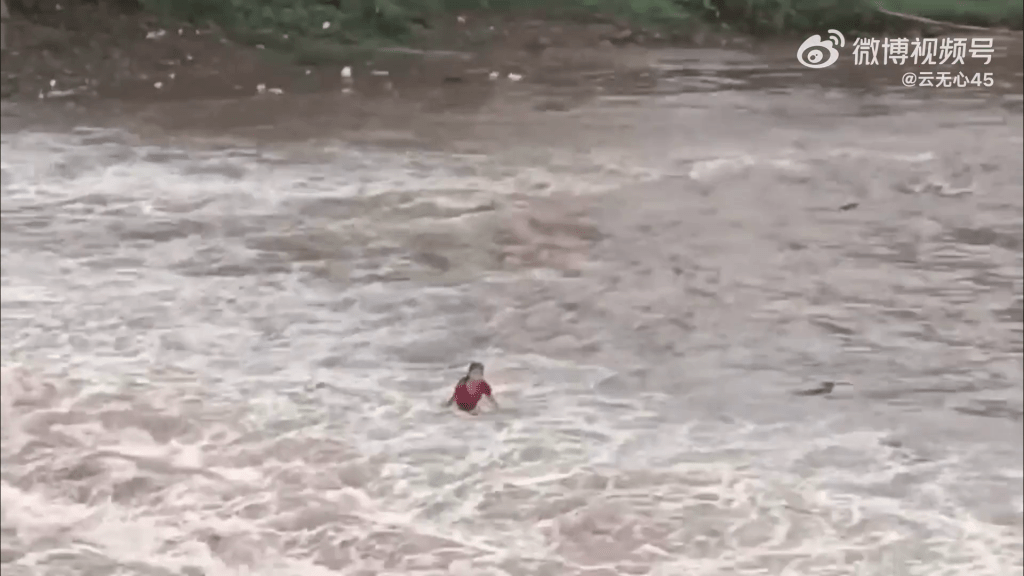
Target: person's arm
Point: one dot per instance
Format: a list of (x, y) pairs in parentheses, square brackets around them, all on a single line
[(489, 394), (452, 399)]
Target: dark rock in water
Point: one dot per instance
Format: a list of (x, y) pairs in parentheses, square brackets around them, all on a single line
[(9, 555), (992, 409), (821, 390), (832, 327), (615, 385)]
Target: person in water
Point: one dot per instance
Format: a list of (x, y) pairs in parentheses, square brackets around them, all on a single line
[(470, 389)]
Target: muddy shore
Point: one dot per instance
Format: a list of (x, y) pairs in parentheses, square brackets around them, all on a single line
[(86, 51)]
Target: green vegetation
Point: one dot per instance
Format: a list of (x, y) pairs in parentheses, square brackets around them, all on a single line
[(852, 16), (358, 20), (314, 26)]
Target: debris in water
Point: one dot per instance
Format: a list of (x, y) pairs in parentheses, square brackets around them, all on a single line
[(932, 185), (158, 85), (954, 192), (821, 390), (380, 73), (623, 35), (849, 206), (346, 72), (61, 93), (326, 25), (461, 19), (494, 75), (275, 91), (515, 77), (261, 88), (53, 83), (155, 34)]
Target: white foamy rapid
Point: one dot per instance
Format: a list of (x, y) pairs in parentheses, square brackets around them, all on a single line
[(229, 359)]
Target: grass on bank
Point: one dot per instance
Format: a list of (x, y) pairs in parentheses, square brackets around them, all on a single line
[(361, 20), (799, 17), (985, 13), (327, 30)]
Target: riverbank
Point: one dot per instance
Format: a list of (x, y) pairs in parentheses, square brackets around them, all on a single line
[(161, 50), (177, 278)]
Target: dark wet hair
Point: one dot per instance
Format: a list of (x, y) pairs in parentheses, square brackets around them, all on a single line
[(472, 366)]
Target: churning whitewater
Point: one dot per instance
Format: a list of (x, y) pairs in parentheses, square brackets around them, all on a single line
[(228, 355)]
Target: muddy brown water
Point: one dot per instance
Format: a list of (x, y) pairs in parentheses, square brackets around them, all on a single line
[(228, 327)]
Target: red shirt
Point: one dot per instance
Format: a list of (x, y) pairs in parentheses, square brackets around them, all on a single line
[(468, 394)]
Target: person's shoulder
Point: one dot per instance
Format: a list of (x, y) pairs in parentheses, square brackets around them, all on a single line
[(485, 386)]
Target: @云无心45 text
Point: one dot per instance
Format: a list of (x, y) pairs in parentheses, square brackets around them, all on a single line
[(943, 79)]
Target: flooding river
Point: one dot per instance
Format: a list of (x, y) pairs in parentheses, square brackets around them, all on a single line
[(228, 329)]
